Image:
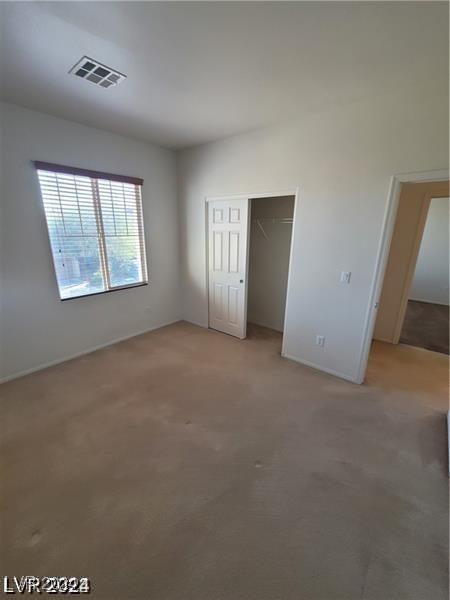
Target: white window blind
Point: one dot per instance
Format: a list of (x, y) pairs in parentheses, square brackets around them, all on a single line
[(95, 226)]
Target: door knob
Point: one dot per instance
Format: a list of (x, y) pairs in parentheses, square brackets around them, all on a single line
[(241, 281)]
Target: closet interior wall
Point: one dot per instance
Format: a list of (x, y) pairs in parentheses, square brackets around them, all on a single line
[(270, 244)]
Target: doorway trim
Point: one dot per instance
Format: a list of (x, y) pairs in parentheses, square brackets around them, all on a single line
[(249, 196), (384, 245)]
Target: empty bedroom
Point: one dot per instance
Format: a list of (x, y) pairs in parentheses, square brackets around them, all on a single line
[(224, 300)]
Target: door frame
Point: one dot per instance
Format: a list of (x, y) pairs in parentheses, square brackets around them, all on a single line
[(412, 263), (384, 245), (249, 196)]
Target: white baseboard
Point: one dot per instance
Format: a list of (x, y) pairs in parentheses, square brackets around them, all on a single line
[(428, 301), (127, 337), (384, 340), (312, 365), (303, 362), (203, 325), (261, 324), (58, 361)]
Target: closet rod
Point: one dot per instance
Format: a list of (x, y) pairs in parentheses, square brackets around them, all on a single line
[(285, 220)]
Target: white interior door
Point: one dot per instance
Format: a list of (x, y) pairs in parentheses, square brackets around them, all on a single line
[(227, 264)]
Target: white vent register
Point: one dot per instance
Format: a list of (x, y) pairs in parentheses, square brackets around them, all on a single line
[(97, 73)]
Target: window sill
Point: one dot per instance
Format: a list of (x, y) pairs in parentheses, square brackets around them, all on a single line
[(115, 289)]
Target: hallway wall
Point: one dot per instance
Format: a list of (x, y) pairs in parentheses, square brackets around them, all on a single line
[(431, 278)]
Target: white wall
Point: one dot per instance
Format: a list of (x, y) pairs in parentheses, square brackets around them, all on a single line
[(35, 326), (431, 278), (269, 261), (342, 162)]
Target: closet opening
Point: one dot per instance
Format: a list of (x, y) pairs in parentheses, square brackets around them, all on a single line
[(269, 248), (248, 251)]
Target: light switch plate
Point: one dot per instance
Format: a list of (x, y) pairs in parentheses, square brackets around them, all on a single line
[(346, 276)]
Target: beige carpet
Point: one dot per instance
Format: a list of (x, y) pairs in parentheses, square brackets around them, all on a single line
[(187, 465)]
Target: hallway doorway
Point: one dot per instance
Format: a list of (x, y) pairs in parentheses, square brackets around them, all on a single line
[(414, 301), (426, 322)]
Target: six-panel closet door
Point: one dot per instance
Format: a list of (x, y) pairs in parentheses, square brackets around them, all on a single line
[(227, 265)]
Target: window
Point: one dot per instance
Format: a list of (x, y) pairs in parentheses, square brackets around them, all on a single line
[(95, 228)]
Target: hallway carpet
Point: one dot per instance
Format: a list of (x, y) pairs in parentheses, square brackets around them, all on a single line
[(184, 464), (426, 325)]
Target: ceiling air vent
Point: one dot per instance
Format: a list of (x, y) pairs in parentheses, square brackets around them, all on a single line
[(93, 71)]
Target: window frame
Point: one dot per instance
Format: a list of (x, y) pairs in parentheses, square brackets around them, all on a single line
[(94, 176)]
